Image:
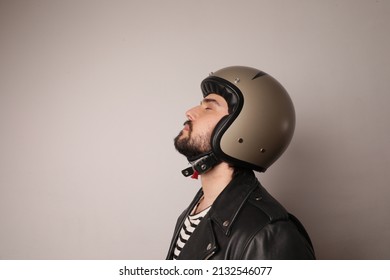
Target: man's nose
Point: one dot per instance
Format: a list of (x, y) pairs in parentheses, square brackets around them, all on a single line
[(192, 113)]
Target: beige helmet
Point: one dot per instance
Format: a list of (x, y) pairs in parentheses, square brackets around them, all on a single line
[(261, 118)]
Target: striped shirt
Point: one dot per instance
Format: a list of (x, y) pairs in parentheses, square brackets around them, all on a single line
[(188, 228)]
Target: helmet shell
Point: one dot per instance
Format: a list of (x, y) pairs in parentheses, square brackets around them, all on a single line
[(261, 119)]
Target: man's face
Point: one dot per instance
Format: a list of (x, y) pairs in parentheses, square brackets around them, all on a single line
[(195, 138)]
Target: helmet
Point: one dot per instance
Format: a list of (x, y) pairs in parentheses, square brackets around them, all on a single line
[(261, 118)]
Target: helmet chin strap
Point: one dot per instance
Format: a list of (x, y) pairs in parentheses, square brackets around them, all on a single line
[(200, 165)]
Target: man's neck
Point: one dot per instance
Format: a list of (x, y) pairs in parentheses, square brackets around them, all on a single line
[(214, 182)]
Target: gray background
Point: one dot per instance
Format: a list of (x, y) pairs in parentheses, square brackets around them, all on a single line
[(92, 94)]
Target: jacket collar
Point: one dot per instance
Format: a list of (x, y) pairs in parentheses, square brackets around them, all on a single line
[(228, 204)]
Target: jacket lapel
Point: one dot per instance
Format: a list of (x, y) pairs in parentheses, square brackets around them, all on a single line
[(202, 243)]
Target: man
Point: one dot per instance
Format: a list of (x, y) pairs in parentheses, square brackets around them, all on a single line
[(244, 123)]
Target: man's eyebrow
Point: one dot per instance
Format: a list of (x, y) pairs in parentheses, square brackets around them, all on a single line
[(210, 100)]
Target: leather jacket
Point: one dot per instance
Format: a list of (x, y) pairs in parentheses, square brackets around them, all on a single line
[(244, 222)]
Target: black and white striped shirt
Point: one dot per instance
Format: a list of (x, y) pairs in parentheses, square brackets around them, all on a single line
[(188, 228)]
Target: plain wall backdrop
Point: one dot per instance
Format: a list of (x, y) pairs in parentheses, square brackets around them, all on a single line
[(92, 94)]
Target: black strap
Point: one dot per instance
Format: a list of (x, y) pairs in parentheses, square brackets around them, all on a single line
[(201, 165)]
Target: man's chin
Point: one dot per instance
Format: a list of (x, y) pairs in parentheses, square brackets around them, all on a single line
[(183, 148)]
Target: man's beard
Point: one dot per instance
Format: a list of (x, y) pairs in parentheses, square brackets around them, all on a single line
[(192, 146)]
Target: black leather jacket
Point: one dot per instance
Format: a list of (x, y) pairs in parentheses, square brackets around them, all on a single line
[(245, 222)]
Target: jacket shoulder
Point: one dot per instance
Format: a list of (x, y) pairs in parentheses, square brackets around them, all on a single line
[(262, 200), (288, 236)]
